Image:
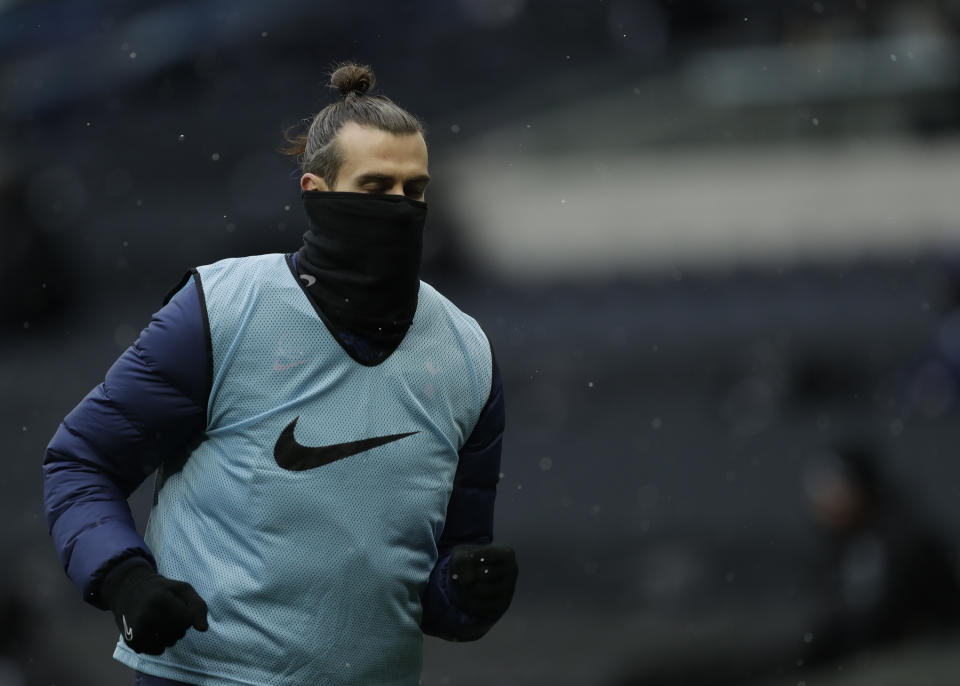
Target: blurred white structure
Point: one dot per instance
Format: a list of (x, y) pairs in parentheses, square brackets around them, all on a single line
[(531, 216), (757, 154)]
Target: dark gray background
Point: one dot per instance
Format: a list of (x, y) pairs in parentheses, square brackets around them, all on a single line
[(659, 413)]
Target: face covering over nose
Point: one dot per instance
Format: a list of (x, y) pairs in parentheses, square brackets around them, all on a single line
[(364, 251)]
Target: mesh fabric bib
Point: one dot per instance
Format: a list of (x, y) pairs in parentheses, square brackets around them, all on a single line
[(313, 577)]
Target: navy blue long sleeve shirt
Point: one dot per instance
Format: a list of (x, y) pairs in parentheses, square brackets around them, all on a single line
[(149, 413)]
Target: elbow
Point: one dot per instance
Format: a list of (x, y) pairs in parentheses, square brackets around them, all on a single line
[(54, 468)]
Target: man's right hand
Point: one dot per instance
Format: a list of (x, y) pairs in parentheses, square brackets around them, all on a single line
[(151, 611)]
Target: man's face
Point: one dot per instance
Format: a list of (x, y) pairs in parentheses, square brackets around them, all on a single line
[(376, 161)]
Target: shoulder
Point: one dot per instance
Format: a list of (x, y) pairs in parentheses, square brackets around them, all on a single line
[(466, 326), (471, 339), (240, 279), (246, 265)]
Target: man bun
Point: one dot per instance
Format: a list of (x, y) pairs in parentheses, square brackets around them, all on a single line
[(352, 78), (314, 150)]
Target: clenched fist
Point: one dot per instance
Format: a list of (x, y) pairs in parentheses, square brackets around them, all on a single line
[(151, 611), (484, 578)]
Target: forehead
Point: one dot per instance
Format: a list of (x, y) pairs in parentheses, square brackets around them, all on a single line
[(366, 150)]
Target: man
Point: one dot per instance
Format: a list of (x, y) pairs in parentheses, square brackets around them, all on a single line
[(888, 576), (327, 431)]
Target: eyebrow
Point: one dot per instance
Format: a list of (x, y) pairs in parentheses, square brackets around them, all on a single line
[(386, 178)]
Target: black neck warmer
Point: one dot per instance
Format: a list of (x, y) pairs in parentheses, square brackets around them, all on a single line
[(363, 252)]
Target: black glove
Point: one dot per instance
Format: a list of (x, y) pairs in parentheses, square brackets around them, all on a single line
[(152, 611), (483, 577)]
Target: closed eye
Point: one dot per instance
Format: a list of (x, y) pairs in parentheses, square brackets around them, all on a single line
[(415, 188), (382, 183), (375, 183)]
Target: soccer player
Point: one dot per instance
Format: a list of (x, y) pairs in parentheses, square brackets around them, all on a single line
[(326, 429)]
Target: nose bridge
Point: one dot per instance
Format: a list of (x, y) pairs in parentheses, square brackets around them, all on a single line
[(397, 188)]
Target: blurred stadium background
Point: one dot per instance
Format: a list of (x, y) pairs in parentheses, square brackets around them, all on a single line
[(708, 238)]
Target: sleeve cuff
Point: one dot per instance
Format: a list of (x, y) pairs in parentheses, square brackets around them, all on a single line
[(103, 547)]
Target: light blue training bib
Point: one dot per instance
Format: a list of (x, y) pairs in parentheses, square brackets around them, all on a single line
[(313, 577)]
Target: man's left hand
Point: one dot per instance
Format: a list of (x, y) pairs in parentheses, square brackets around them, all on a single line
[(484, 578)]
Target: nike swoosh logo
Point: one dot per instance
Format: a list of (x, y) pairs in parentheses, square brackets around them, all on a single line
[(127, 630), (295, 457), (309, 279)]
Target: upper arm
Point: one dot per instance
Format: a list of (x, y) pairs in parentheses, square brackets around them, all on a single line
[(152, 399), (151, 405), (470, 510)]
